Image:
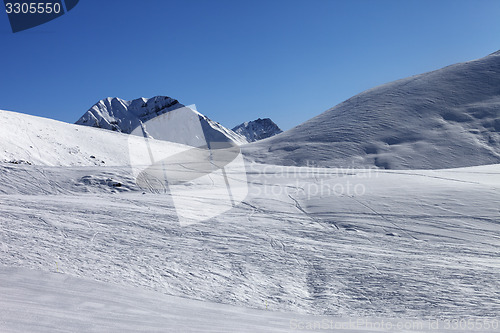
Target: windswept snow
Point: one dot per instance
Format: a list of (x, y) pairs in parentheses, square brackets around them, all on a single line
[(36, 301), (442, 119)]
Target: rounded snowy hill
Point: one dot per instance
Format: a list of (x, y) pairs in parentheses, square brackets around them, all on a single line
[(442, 119)]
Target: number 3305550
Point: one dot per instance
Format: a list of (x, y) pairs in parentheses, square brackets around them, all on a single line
[(33, 8)]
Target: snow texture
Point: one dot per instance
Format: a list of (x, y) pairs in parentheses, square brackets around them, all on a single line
[(37, 301)]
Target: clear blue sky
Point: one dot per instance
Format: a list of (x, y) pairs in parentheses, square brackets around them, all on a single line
[(236, 60)]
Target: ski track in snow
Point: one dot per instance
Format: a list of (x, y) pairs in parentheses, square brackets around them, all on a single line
[(413, 245)]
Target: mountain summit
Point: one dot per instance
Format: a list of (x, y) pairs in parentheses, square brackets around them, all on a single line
[(258, 129), (160, 117), (123, 116)]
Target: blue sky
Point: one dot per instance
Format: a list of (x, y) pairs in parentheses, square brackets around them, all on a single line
[(236, 60)]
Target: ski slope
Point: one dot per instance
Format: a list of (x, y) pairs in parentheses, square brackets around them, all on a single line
[(82, 245), (36, 301), (428, 253)]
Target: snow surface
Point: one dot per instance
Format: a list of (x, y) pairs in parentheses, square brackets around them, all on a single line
[(442, 119), (345, 243), (257, 129), (167, 119), (416, 244), (36, 301)]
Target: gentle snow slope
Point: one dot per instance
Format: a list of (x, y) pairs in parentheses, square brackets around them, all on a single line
[(35, 301), (442, 119), (34, 140)]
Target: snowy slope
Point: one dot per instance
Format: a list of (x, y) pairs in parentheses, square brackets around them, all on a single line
[(36, 301), (27, 139), (166, 113), (318, 241), (442, 119), (257, 129)]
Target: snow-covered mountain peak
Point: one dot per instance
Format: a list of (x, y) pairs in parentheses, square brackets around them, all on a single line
[(257, 129), (123, 116)]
